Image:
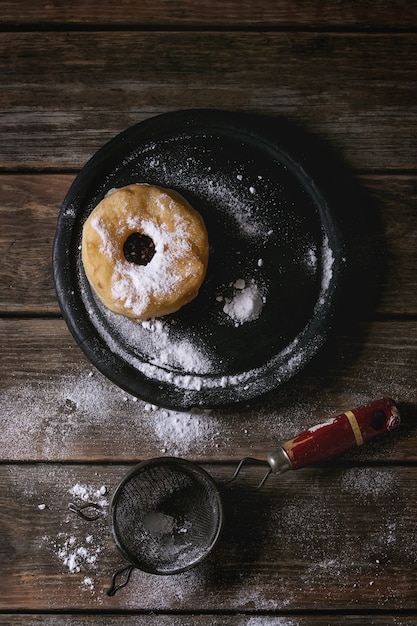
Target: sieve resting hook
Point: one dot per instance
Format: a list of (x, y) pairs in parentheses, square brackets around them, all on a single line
[(250, 461), (125, 570), (92, 506)]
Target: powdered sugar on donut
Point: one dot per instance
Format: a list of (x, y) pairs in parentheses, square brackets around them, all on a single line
[(135, 286), (157, 277)]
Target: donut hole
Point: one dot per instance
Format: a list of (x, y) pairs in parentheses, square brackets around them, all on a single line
[(139, 249)]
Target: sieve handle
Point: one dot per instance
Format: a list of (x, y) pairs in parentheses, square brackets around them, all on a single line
[(89, 511), (336, 436), (124, 571)]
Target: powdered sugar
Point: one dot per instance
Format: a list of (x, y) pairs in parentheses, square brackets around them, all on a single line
[(246, 303), (134, 286), (179, 432), (191, 363), (266, 232), (327, 270), (367, 483), (78, 551), (75, 554), (86, 493), (177, 354)]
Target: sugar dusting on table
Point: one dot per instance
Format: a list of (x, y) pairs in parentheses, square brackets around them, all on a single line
[(67, 410), (351, 558), (76, 554), (77, 548)]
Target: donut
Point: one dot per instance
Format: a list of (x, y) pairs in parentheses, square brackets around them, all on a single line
[(145, 251)]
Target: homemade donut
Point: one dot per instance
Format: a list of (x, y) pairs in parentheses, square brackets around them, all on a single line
[(144, 251)]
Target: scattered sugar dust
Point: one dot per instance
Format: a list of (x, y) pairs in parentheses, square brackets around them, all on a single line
[(78, 551), (270, 621), (76, 554), (367, 483), (302, 515), (170, 352), (254, 599), (160, 592), (179, 433), (336, 550), (63, 410), (175, 591), (68, 411)]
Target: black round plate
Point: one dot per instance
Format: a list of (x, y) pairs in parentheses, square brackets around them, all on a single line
[(276, 259)]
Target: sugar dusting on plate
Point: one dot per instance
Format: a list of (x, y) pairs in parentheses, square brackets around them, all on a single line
[(186, 362), (254, 206)]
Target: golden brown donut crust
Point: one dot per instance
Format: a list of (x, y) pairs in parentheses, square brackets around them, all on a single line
[(172, 277)]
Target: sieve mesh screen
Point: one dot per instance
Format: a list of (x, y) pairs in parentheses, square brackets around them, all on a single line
[(166, 515)]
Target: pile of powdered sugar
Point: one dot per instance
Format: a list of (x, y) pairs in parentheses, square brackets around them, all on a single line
[(179, 432), (86, 493), (246, 302), (166, 349), (190, 362), (160, 354)]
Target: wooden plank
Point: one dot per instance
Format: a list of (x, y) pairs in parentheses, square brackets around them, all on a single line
[(55, 406), (301, 13), (28, 213), (394, 202), (150, 619), (340, 539), (29, 206), (64, 94)]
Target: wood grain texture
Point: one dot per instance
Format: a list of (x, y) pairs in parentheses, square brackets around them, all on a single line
[(54, 405), (332, 544), (302, 542), (300, 13), (69, 92), (150, 619), (29, 206)]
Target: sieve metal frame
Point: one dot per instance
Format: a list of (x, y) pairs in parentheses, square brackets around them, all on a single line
[(193, 469)]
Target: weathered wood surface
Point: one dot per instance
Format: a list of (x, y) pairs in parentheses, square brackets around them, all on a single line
[(56, 406), (29, 206), (201, 620), (230, 13), (340, 537), (333, 544), (69, 92)]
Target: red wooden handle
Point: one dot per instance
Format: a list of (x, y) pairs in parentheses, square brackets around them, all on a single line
[(342, 433)]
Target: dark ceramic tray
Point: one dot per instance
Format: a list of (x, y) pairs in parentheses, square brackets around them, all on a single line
[(276, 259)]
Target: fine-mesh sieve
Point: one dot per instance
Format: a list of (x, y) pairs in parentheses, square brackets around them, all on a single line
[(166, 514)]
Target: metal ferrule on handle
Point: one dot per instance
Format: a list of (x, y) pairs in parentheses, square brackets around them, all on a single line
[(279, 461)]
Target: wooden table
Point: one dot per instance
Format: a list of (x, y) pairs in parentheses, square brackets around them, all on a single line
[(328, 545)]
